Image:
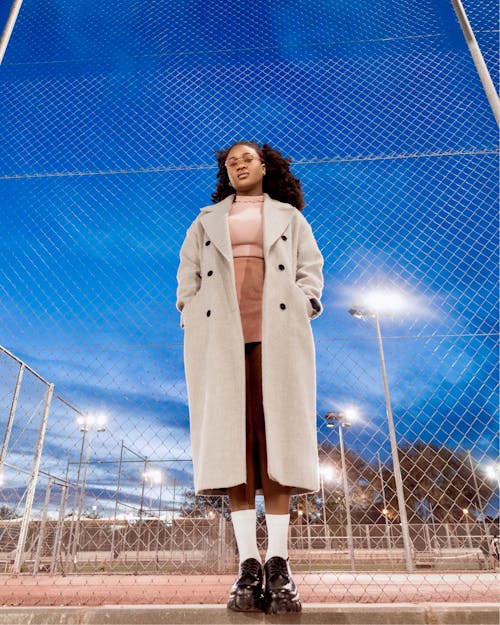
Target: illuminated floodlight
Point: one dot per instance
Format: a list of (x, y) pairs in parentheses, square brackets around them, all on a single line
[(385, 302), (344, 418), (380, 302), (154, 476), (351, 415), (101, 421), (493, 471), (93, 420), (98, 421), (328, 473)]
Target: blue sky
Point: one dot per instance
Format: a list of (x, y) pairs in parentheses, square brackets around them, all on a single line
[(110, 130)]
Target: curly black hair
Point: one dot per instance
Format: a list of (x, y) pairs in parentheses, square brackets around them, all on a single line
[(279, 182)]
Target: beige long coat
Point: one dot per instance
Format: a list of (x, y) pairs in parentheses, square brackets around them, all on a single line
[(214, 357)]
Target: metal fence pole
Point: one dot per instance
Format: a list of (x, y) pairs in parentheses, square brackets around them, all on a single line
[(60, 529), (139, 523), (43, 524), (118, 486), (478, 59), (30, 495), (12, 412), (9, 27)]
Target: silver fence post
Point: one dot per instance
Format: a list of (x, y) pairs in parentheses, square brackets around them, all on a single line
[(140, 528), (9, 27), (477, 57), (43, 524), (12, 412), (60, 528), (118, 486), (30, 494)]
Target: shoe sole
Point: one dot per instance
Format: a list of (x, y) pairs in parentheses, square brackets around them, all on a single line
[(282, 604), (245, 601)]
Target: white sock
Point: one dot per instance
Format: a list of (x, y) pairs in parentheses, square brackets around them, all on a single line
[(277, 535), (245, 532)]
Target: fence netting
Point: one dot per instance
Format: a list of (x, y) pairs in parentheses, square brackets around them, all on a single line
[(109, 129)]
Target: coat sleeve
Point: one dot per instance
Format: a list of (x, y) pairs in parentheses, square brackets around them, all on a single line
[(309, 275), (189, 271)]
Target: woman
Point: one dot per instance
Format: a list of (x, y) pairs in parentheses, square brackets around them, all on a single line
[(249, 281)]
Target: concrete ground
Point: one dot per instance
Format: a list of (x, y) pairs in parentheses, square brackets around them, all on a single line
[(328, 598), (317, 614)]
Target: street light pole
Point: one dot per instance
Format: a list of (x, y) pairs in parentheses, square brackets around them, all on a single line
[(341, 421), (395, 457), (84, 428), (350, 540), (88, 432), (410, 567), (325, 526)]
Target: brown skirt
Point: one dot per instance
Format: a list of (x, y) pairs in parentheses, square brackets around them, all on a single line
[(249, 278), (255, 424)]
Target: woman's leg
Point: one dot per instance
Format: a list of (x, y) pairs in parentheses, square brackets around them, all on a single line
[(242, 497), (276, 496), (246, 592), (280, 594)]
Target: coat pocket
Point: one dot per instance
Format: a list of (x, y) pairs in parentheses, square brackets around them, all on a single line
[(189, 306)]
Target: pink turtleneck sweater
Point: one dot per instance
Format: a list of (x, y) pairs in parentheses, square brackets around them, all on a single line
[(246, 232)]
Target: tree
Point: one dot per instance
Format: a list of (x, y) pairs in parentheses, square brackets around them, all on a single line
[(7, 514), (198, 506), (361, 489), (439, 484)]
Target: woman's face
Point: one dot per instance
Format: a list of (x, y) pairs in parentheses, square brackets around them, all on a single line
[(245, 170)]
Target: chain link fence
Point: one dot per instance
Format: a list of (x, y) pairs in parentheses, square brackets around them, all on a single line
[(108, 154)]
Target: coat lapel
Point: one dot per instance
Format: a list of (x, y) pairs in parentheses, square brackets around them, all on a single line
[(277, 216), (214, 221)]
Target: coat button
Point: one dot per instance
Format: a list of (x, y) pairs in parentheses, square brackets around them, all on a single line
[(282, 306), (210, 273), (207, 242), (283, 237), (209, 312), (281, 267)]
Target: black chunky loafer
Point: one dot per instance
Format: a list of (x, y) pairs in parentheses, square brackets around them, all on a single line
[(246, 592), (280, 595)]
